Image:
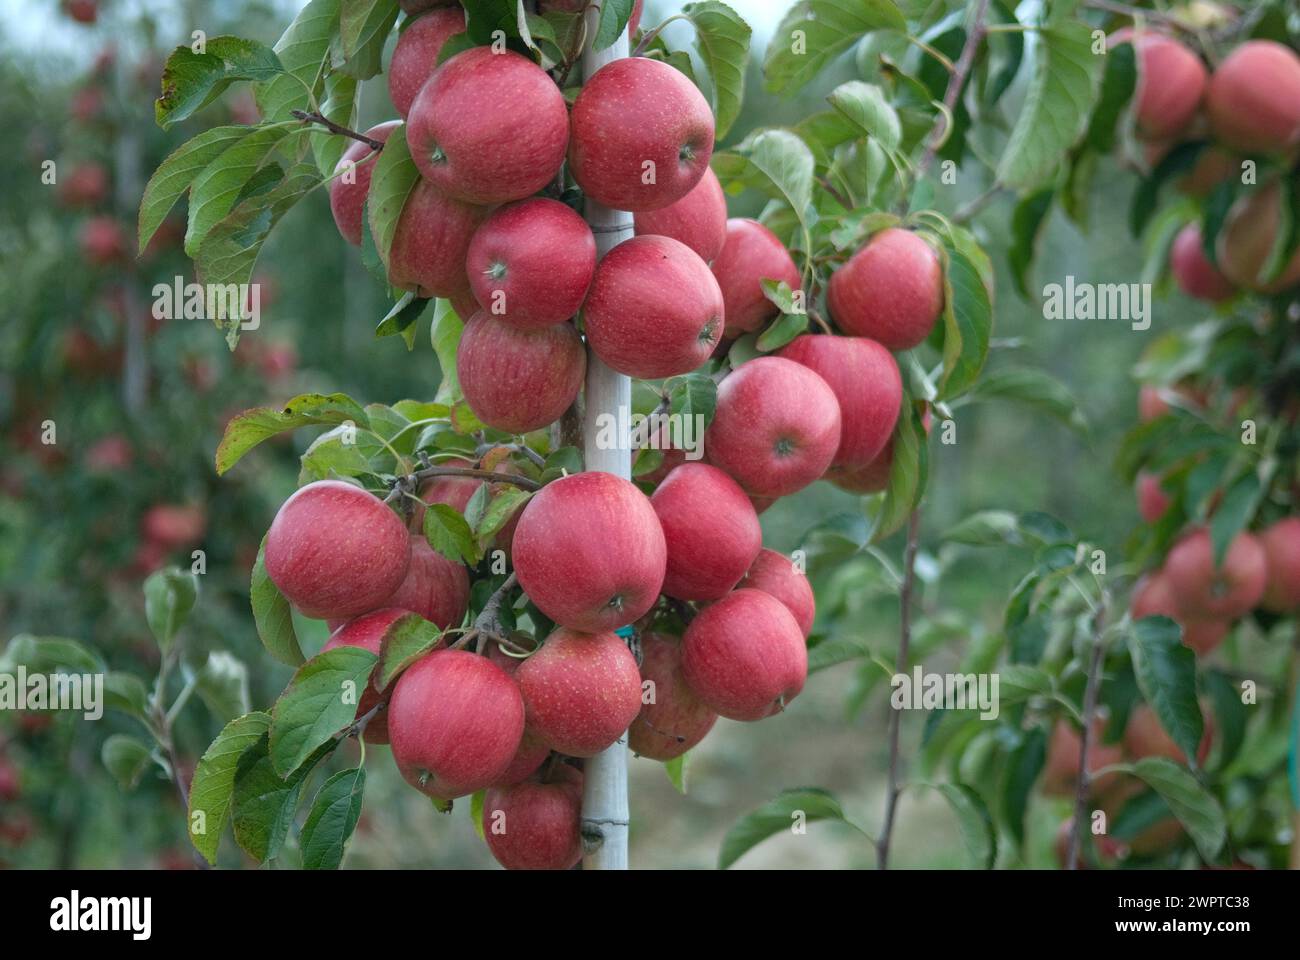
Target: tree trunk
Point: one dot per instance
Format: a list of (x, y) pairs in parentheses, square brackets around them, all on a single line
[(604, 796)]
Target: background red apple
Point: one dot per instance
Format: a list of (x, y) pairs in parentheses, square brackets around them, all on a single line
[(348, 200), (434, 587), (675, 720), (654, 309), (589, 551), (1153, 597), (775, 573), (1145, 737), (1204, 591), (891, 290), (367, 632), (336, 551), (428, 251), (1171, 81), (711, 530), (415, 56), (698, 219), (1253, 99), (750, 254), (1196, 276), (1281, 543), (535, 826)]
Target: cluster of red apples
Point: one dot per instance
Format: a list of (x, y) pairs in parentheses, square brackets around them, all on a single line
[(1259, 571), (1248, 108)]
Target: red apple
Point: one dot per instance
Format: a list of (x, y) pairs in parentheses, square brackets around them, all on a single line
[(102, 241), (711, 530), (533, 750), (1151, 405), (110, 454), (336, 551), (774, 573), (11, 783), (750, 254), (654, 309), (891, 290), (698, 219), (1152, 500), (1253, 99), (864, 377), (1171, 82), (415, 56), (1206, 592), (348, 199), (173, 525), (519, 380), (434, 587), (642, 135), (367, 632), (1281, 543), (672, 719), (455, 720), (82, 11), (481, 155), (580, 690), (744, 657), (535, 826), (428, 251), (1152, 597), (1196, 276), (589, 551), (531, 262), (1061, 769), (1245, 245), (455, 492), (1145, 737), (85, 186), (776, 427)]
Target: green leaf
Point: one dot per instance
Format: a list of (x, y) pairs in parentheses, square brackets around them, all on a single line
[(175, 174), (1018, 682), (864, 105), (400, 320), (907, 475), (692, 395), (364, 26), (394, 177), (614, 15), (676, 771), (449, 533), (476, 803), (214, 780), (221, 184), (791, 807), (967, 324), (333, 454), (263, 804), (445, 333), (500, 509), (836, 650), (406, 640), (775, 162), (320, 700), (1195, 808), (169, 597), (559, 462), (1234, 514), (248, 429), (814, 32), (126, 758), (126, 692), (193, 80), (1032, 388), (1066, 82), (303, 49), (49, 654), (1117, 86), (782, 330), (1027, 222), (722, 41), (1022, 771), (339, 106), (272, 615), (333, 817), (974, 822), (1166, 674), (222, 684), (985, 529)]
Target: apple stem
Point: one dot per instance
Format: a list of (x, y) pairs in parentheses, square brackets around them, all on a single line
[(314, 117)]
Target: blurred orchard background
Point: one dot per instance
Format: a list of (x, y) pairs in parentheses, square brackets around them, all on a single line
[(138, 406)]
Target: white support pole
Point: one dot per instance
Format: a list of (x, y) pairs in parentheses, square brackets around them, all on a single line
[(604, 794)]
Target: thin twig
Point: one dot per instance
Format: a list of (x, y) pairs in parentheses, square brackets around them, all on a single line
[(1090, 695), (956, 83), (894, 788), (332, 127), (512, 478), (487, 625)]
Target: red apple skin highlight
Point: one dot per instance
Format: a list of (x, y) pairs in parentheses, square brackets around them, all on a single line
[(711, 530), (698, 219), (531, 262), (590, 552), (654, 309), (1171, 83), (676, 720), (348, 200), (744, 657), (776, 427), (890, 291), (488, 156), (455, 721), (519, 380), (434, 587), (430, 243), (631, 113), (580, 691), (415, 56), (1253, 100), (1281, 543), (535, 826), (775, 574), (864, 377), (1204, 592), (1196, 276), (336, 551), (750, 254), (367, 632)]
